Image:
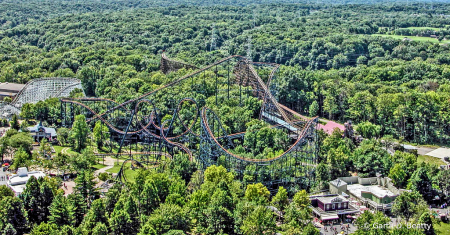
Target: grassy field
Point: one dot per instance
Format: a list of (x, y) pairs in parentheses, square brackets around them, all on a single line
[(129, 173), (98, 166), (425, 28), (430, 160), (115, 168), (442, 228), (414, 38), (58, 149)]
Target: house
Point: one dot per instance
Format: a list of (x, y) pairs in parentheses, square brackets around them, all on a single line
[(10, 89), (39, 131)]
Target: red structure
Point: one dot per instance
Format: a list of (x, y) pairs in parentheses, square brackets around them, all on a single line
[(330, 126), (330, 203)]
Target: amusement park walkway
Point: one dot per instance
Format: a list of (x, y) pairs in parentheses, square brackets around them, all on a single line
[(64, 150), (109, 162), (70, 184), (337, 229)]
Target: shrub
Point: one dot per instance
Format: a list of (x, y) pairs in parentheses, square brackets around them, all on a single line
[(103, 176)]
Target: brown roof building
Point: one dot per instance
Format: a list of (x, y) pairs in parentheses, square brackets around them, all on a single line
[(10, 89)]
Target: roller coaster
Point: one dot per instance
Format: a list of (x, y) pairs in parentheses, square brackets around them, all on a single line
[(167, 65), (183, 119), (44, 88), (37, 90)]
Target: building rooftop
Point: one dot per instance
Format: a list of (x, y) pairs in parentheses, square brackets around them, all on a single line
[(338, 182), (409, 147), (47, 130), (19, 181), (11, 87), (332, 199), (376, 190)]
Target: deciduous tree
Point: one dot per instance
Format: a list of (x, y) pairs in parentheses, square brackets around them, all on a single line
[(260, 221), (257, 193), (100, 133), (408, 205), (280, 200), (80, 132)]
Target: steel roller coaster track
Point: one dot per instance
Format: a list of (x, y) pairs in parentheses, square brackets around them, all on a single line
[(202, 137)]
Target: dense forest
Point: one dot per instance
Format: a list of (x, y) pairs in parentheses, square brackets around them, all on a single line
[(339, 60), (320, 46)]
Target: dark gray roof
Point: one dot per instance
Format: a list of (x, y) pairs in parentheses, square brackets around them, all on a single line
[(338, 182)]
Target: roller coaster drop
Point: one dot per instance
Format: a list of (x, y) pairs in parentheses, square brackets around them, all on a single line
[(164, 128)]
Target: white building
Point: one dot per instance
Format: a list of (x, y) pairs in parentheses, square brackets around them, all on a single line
[(377, 193), (19, 181)]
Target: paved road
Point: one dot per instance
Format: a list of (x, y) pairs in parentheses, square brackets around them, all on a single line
[(336, 229), (424, 150), (441, 211)]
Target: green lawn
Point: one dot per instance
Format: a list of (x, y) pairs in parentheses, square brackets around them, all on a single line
[(425, 28), (129, 173), (430, 160), (58, 149), (442, 228), (115, 168), (414, 38), (98, 166)]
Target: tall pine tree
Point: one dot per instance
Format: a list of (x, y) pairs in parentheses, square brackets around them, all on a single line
[(37, 197), (15, 122), (85, 185), (100, 229), (30, 198), (78, 206), (61, 212), (45, 200), (125, 217), (96, 214)]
